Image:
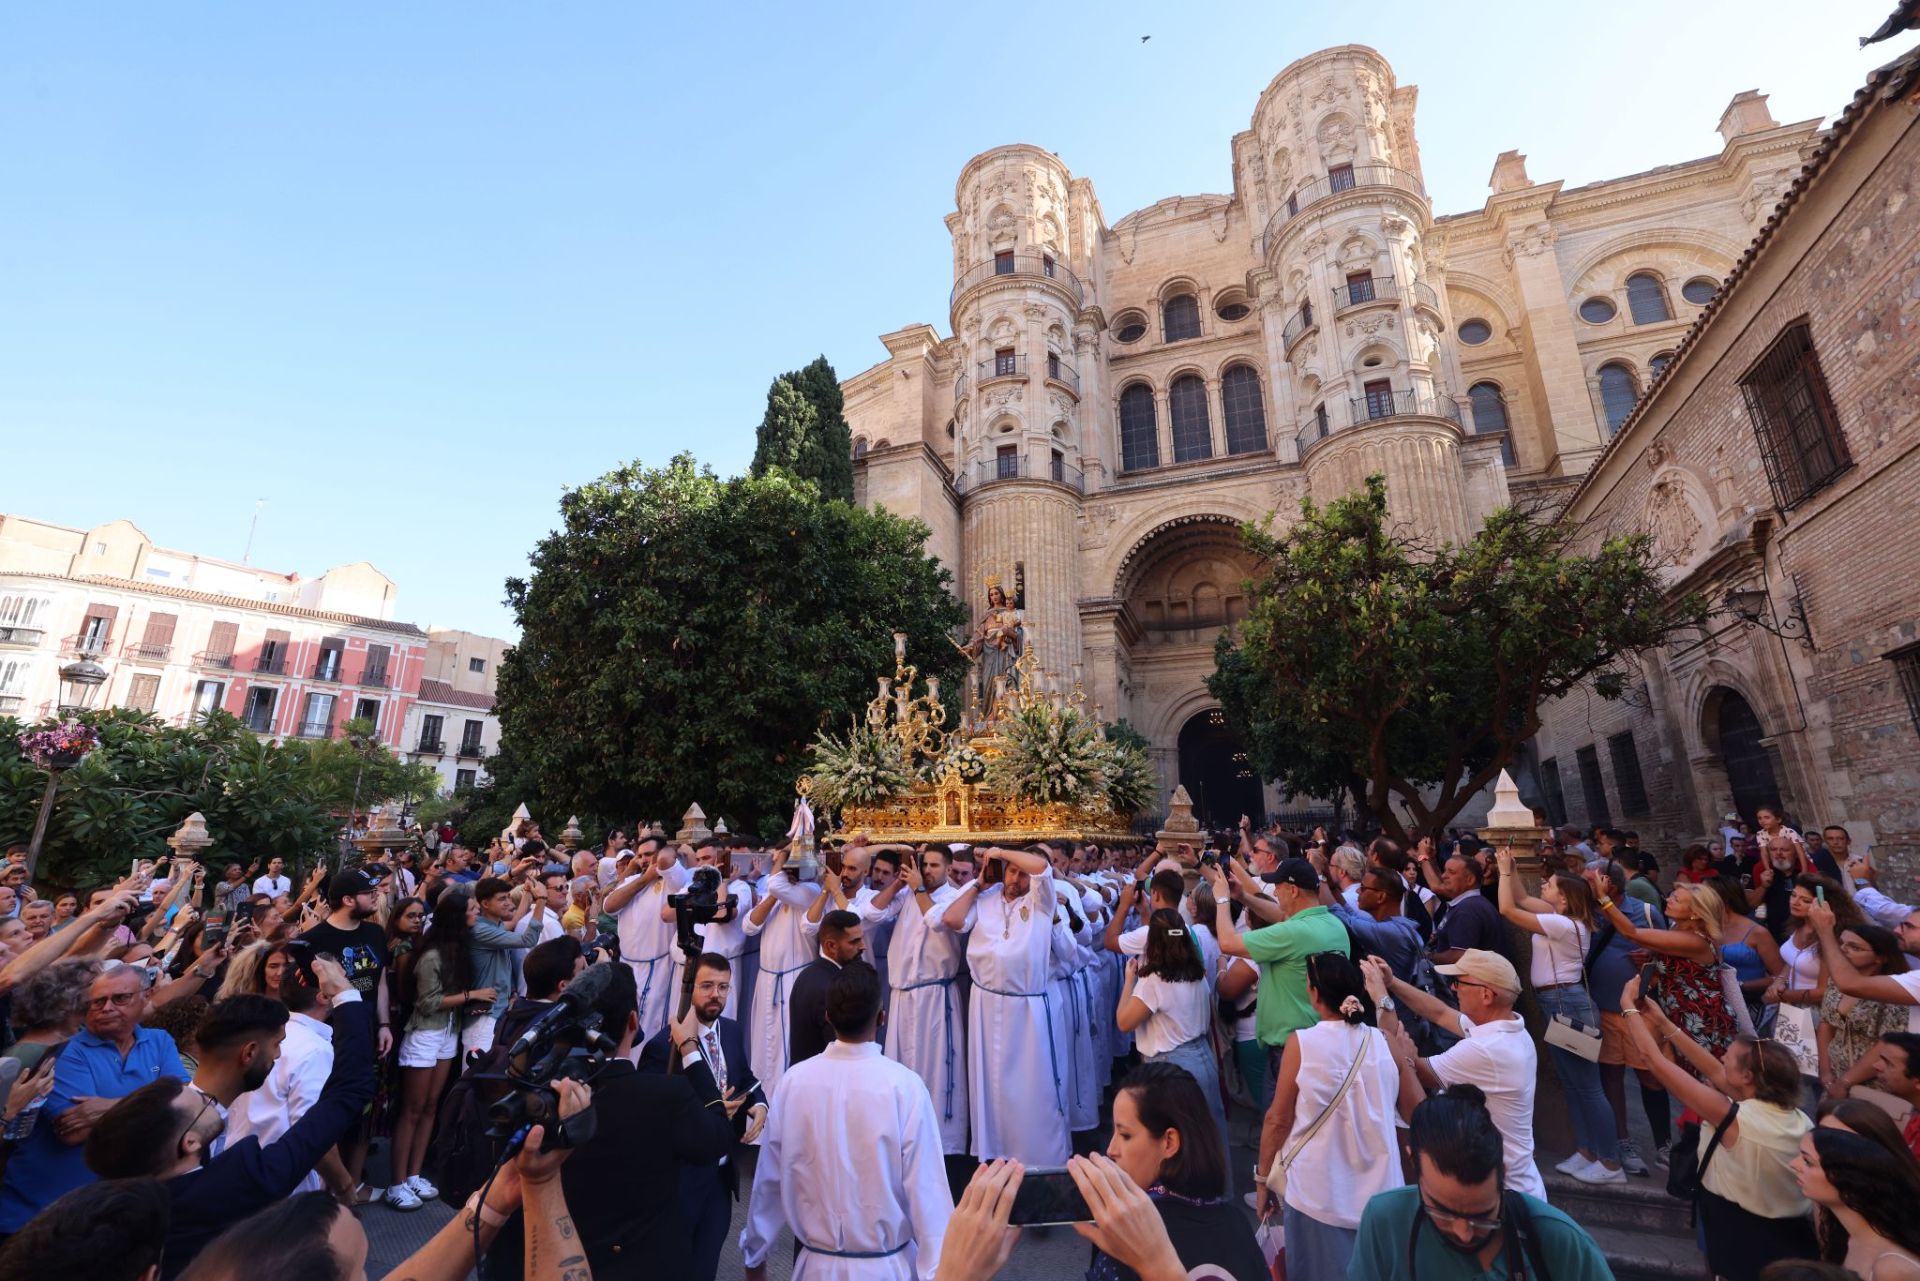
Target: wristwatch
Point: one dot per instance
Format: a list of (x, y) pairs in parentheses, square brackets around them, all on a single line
[(1386, 1003)]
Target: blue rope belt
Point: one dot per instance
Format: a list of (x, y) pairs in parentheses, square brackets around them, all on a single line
[(854, 1254), (647, 987), (946, 1006), (1053, 1051), (780, 1004)]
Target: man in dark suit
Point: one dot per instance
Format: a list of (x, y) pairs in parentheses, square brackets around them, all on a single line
[(623, 1185), (708, 1194), (841, 941)]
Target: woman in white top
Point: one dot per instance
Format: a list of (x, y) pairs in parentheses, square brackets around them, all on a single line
[(1561, 921), (1338, 1148), (1167, 1003)]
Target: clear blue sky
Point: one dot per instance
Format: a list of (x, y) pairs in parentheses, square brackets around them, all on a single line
[(408, 271)]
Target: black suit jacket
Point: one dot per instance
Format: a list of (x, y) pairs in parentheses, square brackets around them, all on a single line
[(807, 1030), (740, 1080), (623, 1185)]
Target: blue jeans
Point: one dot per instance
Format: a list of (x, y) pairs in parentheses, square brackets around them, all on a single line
[(1593, 1129)]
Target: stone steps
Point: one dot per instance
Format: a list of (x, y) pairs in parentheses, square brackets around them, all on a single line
[(1646, 1234)]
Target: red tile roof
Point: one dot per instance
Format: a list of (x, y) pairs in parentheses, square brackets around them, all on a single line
[(433, 691)]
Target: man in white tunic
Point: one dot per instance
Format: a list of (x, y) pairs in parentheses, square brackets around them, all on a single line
[(787, 946), (926, 1018), (1015, 1060), (851, 1160), (646, 930)]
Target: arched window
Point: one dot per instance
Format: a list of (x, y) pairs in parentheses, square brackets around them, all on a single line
[(1646, 299), (1187, 407), (1657, 364), (859, 446), (1139, 433), (1617, 394), (1489, 409), (1246, 415), (1180, 318)]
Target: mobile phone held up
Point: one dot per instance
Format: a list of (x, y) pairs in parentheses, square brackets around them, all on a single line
[(1046, 1197)]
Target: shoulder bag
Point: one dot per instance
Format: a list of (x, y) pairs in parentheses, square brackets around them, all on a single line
[(1277, 1173), (1794, 1027), (1567, 1034), (1687, 1164)]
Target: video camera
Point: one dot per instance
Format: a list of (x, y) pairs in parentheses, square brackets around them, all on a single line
[(697, 905), (564, 1043)]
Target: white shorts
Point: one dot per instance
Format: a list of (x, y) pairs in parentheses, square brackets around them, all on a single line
[(423, 1049), (477, 1034)]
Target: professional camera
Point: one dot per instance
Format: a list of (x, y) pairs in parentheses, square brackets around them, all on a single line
[(564, 1043), (697, 905)]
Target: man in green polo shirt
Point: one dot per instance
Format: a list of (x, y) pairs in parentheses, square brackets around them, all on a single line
[(1282, 949), (1460, 1222)]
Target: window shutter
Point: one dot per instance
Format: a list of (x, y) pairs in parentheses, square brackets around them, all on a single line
[(223, 638), (160, 629), (279, 638), (143, 693)]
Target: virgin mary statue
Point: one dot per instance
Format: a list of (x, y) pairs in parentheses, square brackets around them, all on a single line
[(998, 641)]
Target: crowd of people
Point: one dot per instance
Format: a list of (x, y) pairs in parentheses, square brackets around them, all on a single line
[(899, 1055)]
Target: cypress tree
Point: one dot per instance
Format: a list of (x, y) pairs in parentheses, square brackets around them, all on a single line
[(805, 430)]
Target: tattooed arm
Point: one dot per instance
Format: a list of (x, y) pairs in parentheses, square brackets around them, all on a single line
[(554, 1252)]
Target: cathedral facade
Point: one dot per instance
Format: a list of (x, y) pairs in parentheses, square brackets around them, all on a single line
[(1113, 399)]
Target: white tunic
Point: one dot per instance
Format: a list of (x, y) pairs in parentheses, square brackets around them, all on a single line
[(1015, 1059), (852, 1163), (786, 947), (726, 938), (294, 1084), (646, 943), (926, 1017)]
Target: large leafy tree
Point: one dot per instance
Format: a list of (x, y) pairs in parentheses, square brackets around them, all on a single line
[(683, 637), (1408, 675), (129, 794), (805, 430)]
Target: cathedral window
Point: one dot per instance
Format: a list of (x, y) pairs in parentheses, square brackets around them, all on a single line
[(1139, 430), (1192, 431), (1647, 299), (1597, 310), (1699, 291), (1245, 414), (1794, 418), (1618, 392), (1340, 178), (1006, 462), (1475, 332), (1180, 318), (1489, 407)]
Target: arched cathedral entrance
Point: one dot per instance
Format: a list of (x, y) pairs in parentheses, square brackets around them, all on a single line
[(1215, 772)]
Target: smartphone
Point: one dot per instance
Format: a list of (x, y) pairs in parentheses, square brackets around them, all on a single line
[(1048, 1196), (1820, 894), (1649, 973)]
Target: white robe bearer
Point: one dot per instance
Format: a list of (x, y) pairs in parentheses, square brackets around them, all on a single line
[(927, 1017), (787, 946), (1015, 1059), (647, 944), (851, 1162)]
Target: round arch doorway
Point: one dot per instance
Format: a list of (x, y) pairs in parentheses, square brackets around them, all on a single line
[(1215, 772), (1743, 754)]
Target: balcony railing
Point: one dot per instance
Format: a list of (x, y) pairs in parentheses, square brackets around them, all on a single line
[(432, 746), (474, 750), (1358, 293), (207, 658), (314, 729), (1424, 296), (84, 645), (327, 672), (1028, 264), (1013, 366), (260, 722), (271, 664), (1319, 189), (1020, 467), (374, 680), (1301, 324), (1059, 371), (148, 653), (22, 635), (1401, 404), (11, 703)]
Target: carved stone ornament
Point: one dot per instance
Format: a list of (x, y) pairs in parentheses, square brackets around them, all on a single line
[(1659, 453), (1370, 324), (1670, 520), (1530, 243)]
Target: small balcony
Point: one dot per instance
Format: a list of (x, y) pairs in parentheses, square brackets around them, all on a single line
[(324, 671), (1027, 466), (1425, 296), (374, 680), (1358, 293), (22, 635), (208, 658), (258, 719), (11, 703), (84, 645), (1028, 265), (431, 747), (1341, 180), (314, 729), (1009, 366), (1059, 371), (1401, 404), (1302, 324), (141, 651), (472, 749), (271, 664)]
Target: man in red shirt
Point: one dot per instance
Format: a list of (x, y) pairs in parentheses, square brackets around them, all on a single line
[(1896, 1074)]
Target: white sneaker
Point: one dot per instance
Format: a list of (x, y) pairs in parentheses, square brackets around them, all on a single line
[(401, 1197), (423, 1189), (1597, 1173), (1573, 1165)]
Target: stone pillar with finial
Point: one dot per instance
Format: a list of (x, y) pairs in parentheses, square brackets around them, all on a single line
[(191, 837), (693, 825), (1512, 826), (571, 833), (1181, 826)]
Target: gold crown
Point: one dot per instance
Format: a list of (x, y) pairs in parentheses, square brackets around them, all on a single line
[(993, 581)]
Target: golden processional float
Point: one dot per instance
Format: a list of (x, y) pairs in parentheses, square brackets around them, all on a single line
[(1027, 761)]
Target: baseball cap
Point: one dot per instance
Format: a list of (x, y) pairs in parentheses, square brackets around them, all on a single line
[(349, 882), (1490, 968), (1293, 871)]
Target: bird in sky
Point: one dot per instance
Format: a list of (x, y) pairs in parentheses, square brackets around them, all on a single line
[(1144, 39)]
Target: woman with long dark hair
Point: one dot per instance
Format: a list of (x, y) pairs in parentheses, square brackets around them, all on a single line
[(1747, 946), (1165, 1002), (432, 1038), (1165, 1140), (1865, 1197), (1849, 1025), (1334, 1138)]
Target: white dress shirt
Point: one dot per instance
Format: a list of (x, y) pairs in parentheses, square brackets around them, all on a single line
[(306, 1060)]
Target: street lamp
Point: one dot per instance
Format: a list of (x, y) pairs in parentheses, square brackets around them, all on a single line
[(80, 681)]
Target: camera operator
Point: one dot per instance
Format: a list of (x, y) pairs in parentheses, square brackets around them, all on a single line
[(623, 1184), (166, 1129)]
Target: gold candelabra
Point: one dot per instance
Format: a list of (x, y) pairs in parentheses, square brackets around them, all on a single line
[(1036, 687), (916, 721)]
